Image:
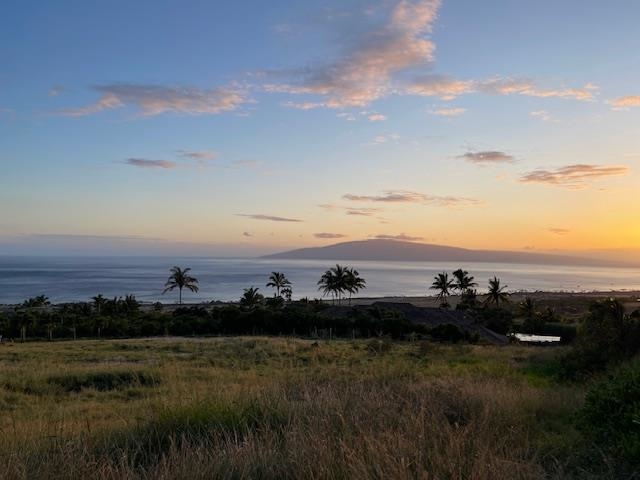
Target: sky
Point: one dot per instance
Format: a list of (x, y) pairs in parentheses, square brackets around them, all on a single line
[(240, 128)]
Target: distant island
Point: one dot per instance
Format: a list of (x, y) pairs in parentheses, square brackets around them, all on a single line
[(395, 250)]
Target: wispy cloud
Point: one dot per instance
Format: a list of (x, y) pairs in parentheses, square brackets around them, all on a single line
[(623, 103), (441, 86), (543, 115), (106, 102), (389, 56), (362, 212), (573, 176), (271, 218), (146, 163), (364, 72), (376, 117), (448, 88), (404, 196), (349, 117), (56, 90), (200, 155), (559, 231), (358, 211), (370, 116), (153, 100), (325, 235), (383, 138), (303, 105), (530, 88), (448, 111), (388, 197), (488, 157), (78, 236), (402, 236)]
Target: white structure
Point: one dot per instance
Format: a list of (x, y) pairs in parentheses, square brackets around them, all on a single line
[(528, 338)]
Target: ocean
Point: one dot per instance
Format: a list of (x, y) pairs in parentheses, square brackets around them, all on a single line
[(70, 279)]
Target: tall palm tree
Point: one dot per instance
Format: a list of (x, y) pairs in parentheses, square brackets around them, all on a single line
[(354, 282), (496, 293), (443, 285), (278, 281), (327, 284), (333, 282), (251, 298), (181, 279), (463, 281)]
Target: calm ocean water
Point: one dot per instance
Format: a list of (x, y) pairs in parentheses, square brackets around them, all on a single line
[(66, 279)]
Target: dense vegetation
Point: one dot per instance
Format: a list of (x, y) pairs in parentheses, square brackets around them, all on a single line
[(125, 318)]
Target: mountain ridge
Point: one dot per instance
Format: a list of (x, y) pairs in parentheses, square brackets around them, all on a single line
[(396, 250)]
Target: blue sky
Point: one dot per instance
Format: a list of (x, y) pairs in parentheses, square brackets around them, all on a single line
[(243, 128)]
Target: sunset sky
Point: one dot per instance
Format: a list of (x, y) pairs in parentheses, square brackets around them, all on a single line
[(249, 127)]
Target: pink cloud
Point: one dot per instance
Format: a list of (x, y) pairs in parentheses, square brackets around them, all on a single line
[(573, 176), (145, 163), (157, 99), (363, 74)]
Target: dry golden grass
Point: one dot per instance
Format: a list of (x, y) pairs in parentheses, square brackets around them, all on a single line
[(282, 408)]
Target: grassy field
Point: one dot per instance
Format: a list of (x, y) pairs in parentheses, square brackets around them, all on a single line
[(287, 408)]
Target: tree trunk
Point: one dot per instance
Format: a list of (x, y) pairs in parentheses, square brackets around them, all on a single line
[(180, 297)]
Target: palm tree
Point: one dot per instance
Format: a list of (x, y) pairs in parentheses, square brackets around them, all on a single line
[(528, 308), (442, 283), (327, 284), (251, 298), (181, 279), (278, 281), (333, 282), (496, 293), (462, 281), (354, 282), (35, 302)]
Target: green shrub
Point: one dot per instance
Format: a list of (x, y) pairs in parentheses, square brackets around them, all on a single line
[(606, 338), (611, 413)]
